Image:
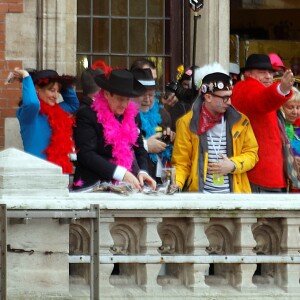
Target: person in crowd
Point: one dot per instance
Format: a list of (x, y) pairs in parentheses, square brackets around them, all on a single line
[(144, 63), (259, 98), (234, 72), (288, 114), (46, 125), (89, 87), (214, 145), (107, 137), (277, 65), (155, 124), (185, 94)]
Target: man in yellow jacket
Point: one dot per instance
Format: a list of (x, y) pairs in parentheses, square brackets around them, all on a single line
[(215, 145)]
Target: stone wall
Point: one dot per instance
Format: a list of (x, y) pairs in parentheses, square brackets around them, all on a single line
[(66, 245), (34, 34)]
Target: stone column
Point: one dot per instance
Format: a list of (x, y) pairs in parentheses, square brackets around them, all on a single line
[(290, 245), (197, 243), (58, 49), (213, 38), (106, 242), (150, 242), (50, 28), (244, 244)]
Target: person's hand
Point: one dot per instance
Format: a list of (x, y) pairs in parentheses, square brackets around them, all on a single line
[(155, 145), (222, 167), (132, 180), (145, 178), (170, 135), (19, 74), (287, 81), (170, 101)]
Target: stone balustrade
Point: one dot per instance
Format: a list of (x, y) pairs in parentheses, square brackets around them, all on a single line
[(65, 245)]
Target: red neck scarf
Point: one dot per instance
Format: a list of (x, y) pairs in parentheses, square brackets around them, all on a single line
[(61, 142), (207, 120)]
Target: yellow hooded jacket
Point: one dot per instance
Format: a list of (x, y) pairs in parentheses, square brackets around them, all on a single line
[(190, 154)]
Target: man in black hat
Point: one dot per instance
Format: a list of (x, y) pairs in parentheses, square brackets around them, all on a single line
[(214, 145), (155, 125), (259, 98), (107, 137)]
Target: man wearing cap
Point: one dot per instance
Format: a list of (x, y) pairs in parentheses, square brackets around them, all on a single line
[(215, 145), (107, 137), (154, 118), (259, 98)]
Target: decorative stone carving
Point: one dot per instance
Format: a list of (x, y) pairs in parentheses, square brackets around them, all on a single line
[(220, 242)]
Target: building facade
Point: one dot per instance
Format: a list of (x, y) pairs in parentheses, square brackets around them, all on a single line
[(68, 35)]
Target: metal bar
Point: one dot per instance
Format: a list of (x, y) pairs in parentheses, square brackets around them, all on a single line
[(56, 214), (95, 254), (3, 233), (203, 259)]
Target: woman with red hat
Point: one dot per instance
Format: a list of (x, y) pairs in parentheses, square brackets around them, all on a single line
[(46, 125)]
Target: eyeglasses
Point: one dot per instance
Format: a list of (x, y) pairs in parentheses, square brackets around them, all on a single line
[(224, 98)]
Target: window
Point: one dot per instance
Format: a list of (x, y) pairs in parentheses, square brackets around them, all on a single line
[(119, 31)]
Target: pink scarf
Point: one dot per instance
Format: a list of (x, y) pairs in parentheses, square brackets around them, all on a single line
[(122, 136)]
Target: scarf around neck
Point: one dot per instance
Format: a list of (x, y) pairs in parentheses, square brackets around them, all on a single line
[(150, 120), (207, 120), (120, 135), (293, 136), (61, 143)]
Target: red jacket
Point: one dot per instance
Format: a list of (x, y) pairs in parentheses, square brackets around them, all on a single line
[(260, 104)]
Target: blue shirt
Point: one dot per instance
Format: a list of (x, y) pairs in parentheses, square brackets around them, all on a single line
[(35, 128)]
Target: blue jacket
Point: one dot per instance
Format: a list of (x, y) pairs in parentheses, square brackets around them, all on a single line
[(35, 128)]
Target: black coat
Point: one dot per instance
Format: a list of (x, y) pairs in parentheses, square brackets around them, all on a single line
[(93, 157)]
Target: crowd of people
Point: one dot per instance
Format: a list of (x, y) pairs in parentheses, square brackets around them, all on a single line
[(235, 131)]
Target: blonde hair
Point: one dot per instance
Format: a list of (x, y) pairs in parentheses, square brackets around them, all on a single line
[(296, 95)]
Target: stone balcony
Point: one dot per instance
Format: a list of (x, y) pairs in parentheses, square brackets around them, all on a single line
[(63, 245)]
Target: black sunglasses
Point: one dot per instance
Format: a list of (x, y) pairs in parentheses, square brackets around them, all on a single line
[(224, 98)]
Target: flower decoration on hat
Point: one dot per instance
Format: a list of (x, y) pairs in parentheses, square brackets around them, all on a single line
[(100, 64)]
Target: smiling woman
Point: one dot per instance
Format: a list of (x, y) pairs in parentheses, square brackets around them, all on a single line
[(46, 126)]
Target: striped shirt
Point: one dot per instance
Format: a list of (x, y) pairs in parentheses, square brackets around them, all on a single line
[(216, 139)]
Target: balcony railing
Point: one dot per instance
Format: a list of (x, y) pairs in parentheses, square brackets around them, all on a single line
[(106, 246)]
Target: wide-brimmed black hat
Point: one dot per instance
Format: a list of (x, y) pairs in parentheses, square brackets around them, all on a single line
[(145, 77), (47, 76), (216, 81), (258, 62), (121, 82)]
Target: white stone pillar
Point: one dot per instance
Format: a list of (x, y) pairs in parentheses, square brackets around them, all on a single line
[(290, 245), (50, 28), (244, 244), (59, 36), (197, 243), (150, 242), (106, 242), (213, 33)]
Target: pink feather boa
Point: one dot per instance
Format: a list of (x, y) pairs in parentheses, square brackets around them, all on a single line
[(120, 135)]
